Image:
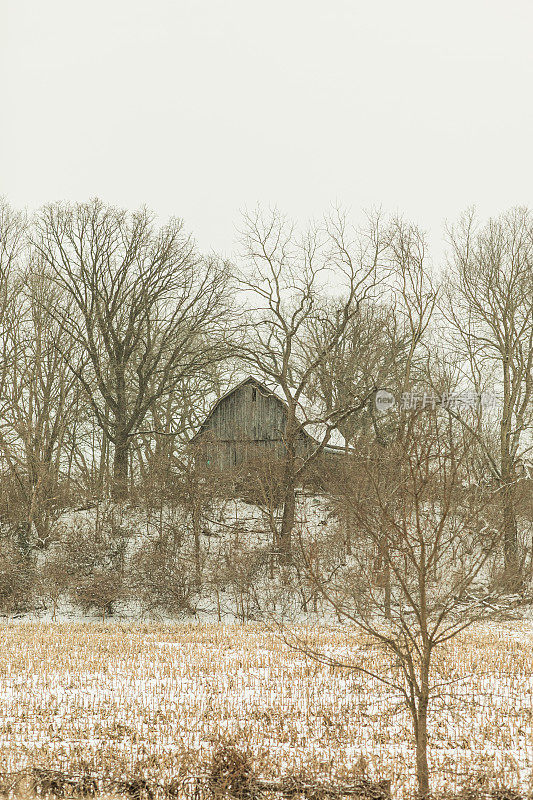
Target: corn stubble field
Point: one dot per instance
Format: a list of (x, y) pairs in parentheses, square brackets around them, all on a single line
[(155, 700)]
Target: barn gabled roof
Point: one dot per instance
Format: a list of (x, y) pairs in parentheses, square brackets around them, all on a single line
[(307, 413)]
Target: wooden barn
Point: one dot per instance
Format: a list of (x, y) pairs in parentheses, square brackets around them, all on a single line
[(249, 420)]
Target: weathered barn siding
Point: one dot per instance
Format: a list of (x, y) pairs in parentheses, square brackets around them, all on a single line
[(247, 413), (247, 421)]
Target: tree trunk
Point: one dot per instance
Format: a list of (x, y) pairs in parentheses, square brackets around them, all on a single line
[(196, 524), (509, 525), (289, 491), (287, 525), (510, 538), (422, 768), (385, 565), (387, 598), (102, 478), (348, 534), (510, 532), (121, 455), (120, 467)]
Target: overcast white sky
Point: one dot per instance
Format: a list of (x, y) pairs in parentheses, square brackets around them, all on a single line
[(199, 108)]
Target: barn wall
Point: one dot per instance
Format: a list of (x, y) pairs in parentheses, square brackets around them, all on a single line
[(244, 420), (240, 416)]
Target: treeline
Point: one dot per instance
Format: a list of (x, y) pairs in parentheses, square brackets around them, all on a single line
[(117, 334)]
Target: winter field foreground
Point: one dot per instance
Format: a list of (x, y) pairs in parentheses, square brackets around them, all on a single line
[(155, 699)]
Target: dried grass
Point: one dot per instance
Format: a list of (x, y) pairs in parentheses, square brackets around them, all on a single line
[(146, 705)]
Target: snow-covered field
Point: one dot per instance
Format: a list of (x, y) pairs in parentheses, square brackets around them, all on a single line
[(155, 699)]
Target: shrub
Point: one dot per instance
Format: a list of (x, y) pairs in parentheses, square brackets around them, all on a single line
[(89, 565), (16, 578), (161, 577)]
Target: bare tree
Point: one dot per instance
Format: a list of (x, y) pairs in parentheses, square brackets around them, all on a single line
[(40, 410), (490, 305), (388, 345), (144, 308), (172, 421), (362, 360), (12, 250), (284, 283), (439, 536)]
